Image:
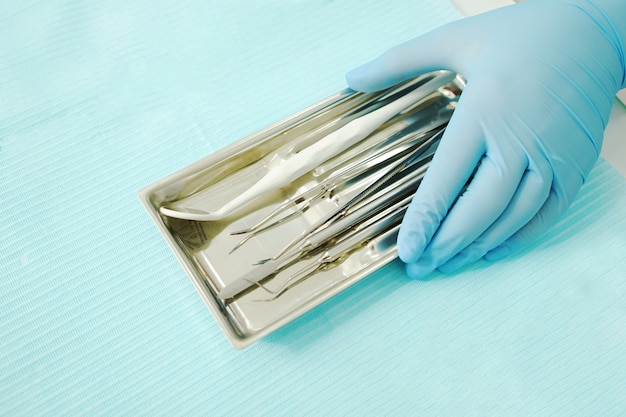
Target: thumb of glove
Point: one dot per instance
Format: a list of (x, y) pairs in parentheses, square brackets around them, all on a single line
[(433, 51)]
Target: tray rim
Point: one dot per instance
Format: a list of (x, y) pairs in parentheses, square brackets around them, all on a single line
[(237, 340)]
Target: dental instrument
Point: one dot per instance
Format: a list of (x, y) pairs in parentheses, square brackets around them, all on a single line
[(422, 151), (336, 254), (331, 248), (305, 160), (391, 200), (343, 174)]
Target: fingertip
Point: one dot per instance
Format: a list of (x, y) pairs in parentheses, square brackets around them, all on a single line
[(418, 272), (357, 78), (411, 245), (456, 263), (498, 253), (417, 56), (368, 77)]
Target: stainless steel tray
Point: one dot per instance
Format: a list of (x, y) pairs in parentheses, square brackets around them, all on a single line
[(248, 309)]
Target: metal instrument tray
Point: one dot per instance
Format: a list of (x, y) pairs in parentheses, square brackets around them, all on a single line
[(249, 309)]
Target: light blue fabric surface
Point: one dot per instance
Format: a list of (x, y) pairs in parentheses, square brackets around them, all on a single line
[(96, 315)]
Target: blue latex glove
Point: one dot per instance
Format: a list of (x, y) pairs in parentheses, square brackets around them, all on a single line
[(542, 77)]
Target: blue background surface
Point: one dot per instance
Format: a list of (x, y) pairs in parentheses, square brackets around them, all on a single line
[(96, 315)]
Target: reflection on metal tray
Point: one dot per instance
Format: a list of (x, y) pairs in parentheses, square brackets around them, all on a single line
[(278, 222)]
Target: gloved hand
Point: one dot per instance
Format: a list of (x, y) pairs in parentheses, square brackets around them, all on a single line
[(541, 80)]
